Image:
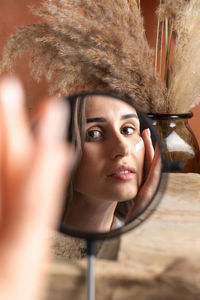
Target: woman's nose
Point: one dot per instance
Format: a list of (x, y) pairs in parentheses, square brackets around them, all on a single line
[(120, 147)]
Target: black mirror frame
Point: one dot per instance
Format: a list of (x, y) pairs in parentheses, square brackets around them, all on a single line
[(148, 210)]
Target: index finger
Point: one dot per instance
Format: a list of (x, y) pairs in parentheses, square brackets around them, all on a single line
[(149, 149)]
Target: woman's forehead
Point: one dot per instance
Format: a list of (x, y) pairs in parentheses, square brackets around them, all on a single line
[(105, 106)]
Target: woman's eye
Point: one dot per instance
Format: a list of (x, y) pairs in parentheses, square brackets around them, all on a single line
[(128, 130), (93, 135)]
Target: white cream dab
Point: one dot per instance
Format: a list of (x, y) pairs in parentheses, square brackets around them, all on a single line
[(139, 145)]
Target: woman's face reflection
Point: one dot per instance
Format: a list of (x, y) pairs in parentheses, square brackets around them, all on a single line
[(111, 166)]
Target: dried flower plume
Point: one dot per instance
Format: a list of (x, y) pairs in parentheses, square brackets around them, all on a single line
[(101, 45), (90, 45), (180, 19), (170, 8), (184, 87)]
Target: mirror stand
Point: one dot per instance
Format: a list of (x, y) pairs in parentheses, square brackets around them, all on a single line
[(119, 152), (91, 250)]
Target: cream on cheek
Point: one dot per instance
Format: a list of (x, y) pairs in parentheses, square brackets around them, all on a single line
[(139, 150), (139, 145)]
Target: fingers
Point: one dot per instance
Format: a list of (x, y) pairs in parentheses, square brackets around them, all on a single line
[(149, 150), (16, 137), (43, 192), (53, 161), (35, 172), (152, 180), (36, 201), (150, 185), (16, 144), (156, 166)]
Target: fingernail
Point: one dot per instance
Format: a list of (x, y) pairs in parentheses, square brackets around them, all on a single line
[(149, 132), (11, 94), (55, 120)]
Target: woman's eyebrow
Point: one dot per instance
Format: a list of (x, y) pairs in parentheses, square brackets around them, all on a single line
[(91, 120), (129, 116), (101, 119)]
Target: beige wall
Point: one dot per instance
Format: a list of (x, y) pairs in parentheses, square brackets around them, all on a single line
[(15, 12)]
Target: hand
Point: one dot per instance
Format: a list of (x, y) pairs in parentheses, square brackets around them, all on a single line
[(152, 176), (33, 174)]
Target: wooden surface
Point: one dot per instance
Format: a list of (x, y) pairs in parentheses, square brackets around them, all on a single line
[(173, 231), (158, 260)]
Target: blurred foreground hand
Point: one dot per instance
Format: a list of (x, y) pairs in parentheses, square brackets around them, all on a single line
[(33, 174)]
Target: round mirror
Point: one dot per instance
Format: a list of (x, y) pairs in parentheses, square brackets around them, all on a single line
[(118, 168)]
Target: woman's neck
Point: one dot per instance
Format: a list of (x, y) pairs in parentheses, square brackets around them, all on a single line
[(89, 214)]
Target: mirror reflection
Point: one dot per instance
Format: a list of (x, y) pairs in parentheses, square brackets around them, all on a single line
[(118, 167)]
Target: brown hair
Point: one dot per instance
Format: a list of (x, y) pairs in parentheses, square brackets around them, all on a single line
[(76, 136)]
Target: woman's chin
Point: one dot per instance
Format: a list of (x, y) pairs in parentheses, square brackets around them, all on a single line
[(121, 196)]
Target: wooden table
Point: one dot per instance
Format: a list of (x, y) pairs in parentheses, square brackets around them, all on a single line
[(158, 260)]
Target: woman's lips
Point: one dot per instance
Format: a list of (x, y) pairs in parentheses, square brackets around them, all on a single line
[(123, 173)]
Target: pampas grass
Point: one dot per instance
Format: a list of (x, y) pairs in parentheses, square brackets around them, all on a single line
[(91, 45), (182, 77), (101, 46), (170, 8), (184, 86)]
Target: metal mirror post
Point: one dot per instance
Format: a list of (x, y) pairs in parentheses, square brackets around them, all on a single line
[(117, 173)]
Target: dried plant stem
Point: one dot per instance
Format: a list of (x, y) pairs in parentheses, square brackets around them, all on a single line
[(161, 47), (157, 40), (158, 46), (168, 40), (164, 29)]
